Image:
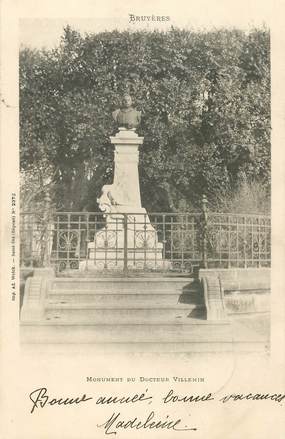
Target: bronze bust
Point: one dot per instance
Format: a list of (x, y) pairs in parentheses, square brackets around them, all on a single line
[(127, 116)]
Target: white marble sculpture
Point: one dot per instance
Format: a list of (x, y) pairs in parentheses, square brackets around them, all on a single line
[(121, 202)]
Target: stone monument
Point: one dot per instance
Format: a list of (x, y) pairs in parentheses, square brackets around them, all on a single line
[(128, 233), (127, 117)]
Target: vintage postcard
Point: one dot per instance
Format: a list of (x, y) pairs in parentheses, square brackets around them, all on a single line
[(142, 219)]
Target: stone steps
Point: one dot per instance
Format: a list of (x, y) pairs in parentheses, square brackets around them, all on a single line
[(159, 315), (198, 336), (123, 285), (120, 290), (54, 305), (120, 300), (121, 310), (127, 315), (128, 299), (155, 348), (160, 333), (135, 315)]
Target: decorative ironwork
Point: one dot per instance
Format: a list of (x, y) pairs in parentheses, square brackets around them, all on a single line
[(158, 242), (36, 237), (106, 239), (68, 241), (238, 240), (145, 239)]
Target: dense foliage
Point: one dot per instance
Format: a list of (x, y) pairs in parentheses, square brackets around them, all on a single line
[(205, 102)]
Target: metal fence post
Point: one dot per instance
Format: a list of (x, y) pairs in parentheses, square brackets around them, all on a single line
[(47, 232), (125, 269), (204, 231)]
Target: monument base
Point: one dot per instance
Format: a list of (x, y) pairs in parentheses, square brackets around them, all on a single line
[(137, 259), (126, 241)]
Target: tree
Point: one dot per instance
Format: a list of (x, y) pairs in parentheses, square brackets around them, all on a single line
[(204, 97)]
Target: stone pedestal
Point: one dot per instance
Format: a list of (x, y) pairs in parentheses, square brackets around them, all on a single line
[(128, 240), (126, 177)]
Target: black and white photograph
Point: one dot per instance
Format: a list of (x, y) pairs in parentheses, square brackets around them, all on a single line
[(142, 219), (145, 186)]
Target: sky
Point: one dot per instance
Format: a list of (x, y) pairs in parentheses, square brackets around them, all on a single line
[(42, 27)]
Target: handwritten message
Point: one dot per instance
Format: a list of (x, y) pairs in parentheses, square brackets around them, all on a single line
[(115, 422)]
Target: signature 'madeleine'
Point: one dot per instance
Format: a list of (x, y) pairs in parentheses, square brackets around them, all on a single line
[(115, 422)]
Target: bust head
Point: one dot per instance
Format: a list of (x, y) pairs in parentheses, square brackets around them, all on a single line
[(126, 101), (127, 116)]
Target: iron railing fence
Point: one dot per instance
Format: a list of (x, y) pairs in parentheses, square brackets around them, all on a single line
[(136, 241), (236, 240)]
